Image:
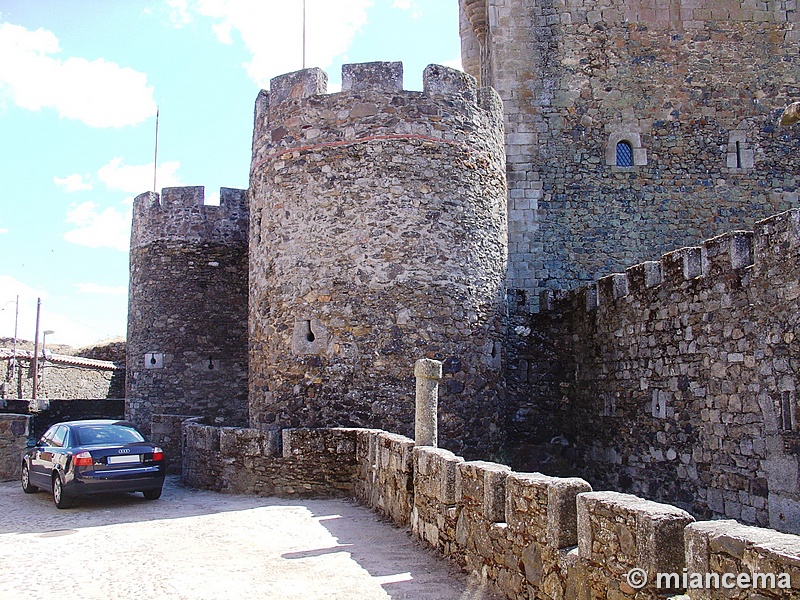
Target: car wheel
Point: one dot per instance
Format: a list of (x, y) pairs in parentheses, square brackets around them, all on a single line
[(26, 481), (152, 494), (59, 498)]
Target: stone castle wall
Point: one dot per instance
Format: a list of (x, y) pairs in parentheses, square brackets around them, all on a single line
[(378, 236), (187, 309), (677, 379), (65, 377), (527, 535), (14, 432), (695, 88)]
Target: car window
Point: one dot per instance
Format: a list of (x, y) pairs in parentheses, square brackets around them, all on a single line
[(59, 436), (48, 436), (95, 435)]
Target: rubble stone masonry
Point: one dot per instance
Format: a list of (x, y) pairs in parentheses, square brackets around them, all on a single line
[(527, 535), (694, 87), (187, 308), (677, 379), (378, 237)]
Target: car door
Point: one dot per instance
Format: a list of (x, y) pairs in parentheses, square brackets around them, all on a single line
[(45, 455), (40, 455)]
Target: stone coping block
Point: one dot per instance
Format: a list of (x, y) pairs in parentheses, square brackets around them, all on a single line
[(395, 452), (317, 442), (726, 543), (201, 437), (546, 503), (631, 532), (239, 441), (441, 464), (483, 484)]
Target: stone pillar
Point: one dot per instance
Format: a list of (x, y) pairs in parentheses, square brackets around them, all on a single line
[(428, 373)]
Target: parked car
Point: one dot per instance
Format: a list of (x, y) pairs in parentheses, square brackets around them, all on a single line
[(84, 458)]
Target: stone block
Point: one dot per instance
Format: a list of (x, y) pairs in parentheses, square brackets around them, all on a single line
[(377, 76), (297, 85), (645, 534)]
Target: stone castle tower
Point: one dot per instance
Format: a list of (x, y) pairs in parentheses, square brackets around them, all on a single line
[(187, 307), (634, 126), (378, 236)]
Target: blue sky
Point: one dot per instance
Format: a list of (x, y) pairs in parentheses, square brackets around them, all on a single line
[(79, 85)]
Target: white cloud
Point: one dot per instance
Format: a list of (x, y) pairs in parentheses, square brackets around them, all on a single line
[(3, 230), (73, 183), (179, 12), (331, 26), (105, 290), (99, 228), (408, 5), (99, 93), (135, 179)]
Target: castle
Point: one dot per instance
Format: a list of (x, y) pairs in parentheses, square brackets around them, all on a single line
[(526, 238)]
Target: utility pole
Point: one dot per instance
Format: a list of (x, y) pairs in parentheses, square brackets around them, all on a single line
[(36, 349), (14, 354)]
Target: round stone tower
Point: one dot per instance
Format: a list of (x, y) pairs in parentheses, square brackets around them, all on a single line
[(378, 236), (187, 307)]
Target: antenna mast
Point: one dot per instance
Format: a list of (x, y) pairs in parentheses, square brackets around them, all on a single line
[(304, 34)]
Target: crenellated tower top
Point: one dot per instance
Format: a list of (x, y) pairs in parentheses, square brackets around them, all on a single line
[(180, 214), (297, 114)]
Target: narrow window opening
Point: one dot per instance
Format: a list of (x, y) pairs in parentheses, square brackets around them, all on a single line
[(153, 359), (210, 364), (624, 154), (787, 411), (309, 334), (495, 350), (738, 155)]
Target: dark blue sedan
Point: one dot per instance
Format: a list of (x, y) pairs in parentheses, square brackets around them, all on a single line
[(83, 458)]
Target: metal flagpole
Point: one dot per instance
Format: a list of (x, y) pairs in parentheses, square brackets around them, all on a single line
[(155, 156)]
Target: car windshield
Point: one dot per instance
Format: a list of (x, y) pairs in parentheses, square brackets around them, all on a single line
[(96, 435)]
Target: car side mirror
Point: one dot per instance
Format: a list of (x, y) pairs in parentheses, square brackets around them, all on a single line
[(31, 443)]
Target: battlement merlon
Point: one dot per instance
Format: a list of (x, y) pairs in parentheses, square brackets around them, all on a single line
[(180, 214), (297, 113), (772, 242)]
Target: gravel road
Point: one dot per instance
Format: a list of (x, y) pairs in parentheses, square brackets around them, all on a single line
[(199, 545)]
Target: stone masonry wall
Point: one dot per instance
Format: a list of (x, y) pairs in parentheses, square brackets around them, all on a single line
[(694, 86), (531, 536), (187, 311), (677, 379), (14, 432), (167, 431), (526, 535), (378, 236), (293, 462), (61, 380)]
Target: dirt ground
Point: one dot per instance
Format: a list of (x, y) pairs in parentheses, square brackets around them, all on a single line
[(199, 545)]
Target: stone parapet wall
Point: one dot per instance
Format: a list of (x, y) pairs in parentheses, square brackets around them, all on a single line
[(727, 547), (167, 431), (293, 462), (676, 379), (180, 214), (385, 473), (14, 433), (527, 535)]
